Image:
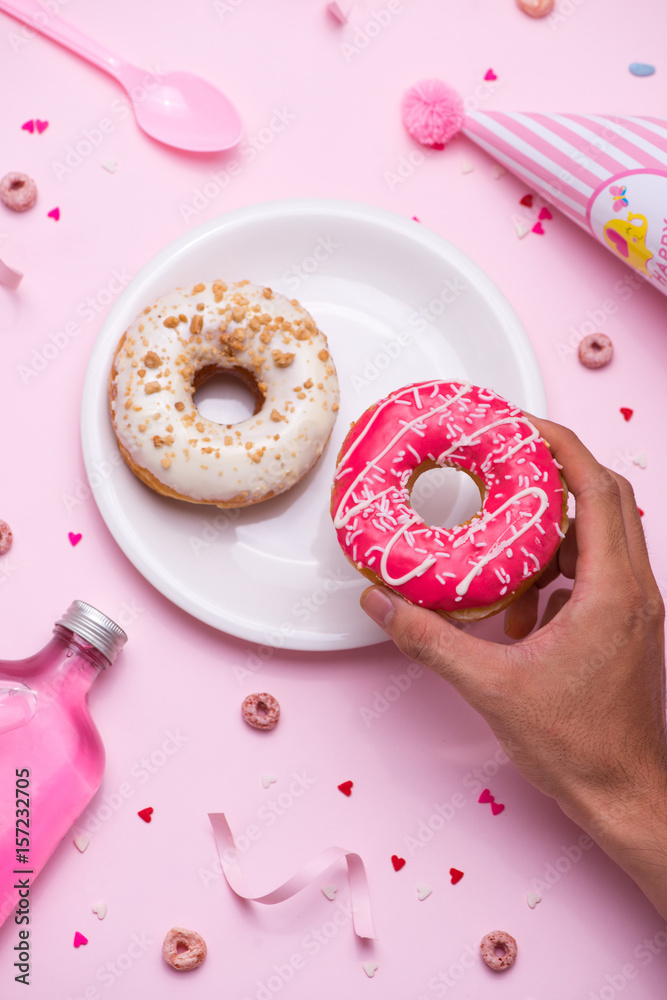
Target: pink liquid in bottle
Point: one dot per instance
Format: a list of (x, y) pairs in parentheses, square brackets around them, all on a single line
[(51, 755)]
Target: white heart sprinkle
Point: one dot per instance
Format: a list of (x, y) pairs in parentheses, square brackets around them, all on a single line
[(268, 779), (533, 899), (522, 227), (81, 843), (330, 891), (100, 910), (498, 171), (640, 460), (423, 891), (110, 165), (467, 167), (370, 968)]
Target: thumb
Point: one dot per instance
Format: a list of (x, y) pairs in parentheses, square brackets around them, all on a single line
[(428, 638)]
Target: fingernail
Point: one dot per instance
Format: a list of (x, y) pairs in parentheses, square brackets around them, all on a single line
[(377, 605)]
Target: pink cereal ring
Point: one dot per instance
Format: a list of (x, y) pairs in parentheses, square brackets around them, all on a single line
[(6, 538), (18, 192), (596, 350), (261, 710), (536, 8), (495, 942), (183, 949)]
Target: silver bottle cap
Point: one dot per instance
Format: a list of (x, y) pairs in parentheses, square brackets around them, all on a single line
[(95, 628)]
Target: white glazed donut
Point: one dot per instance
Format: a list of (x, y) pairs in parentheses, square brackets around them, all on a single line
[(268, 341)]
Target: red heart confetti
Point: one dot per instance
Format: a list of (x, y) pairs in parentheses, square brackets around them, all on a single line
[(346, 787), (415, 219), (537, 228), (641, 512), (627, 412), (79, 939), (28, 126), (456, 875), (40, 126), (490, 75), (54, 214), (397, 862), (486, 796), (545, 214), (74, 539), (496, 808), (527, 200), (146, 814)]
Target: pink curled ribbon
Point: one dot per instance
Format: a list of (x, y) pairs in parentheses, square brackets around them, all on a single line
[(9, 277), (362, 916)]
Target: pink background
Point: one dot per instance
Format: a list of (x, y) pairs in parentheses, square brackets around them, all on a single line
[(179, 676)]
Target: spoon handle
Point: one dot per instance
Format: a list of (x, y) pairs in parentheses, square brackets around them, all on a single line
[(40, 19)]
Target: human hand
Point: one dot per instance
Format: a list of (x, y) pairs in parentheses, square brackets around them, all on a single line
[(579, 705)]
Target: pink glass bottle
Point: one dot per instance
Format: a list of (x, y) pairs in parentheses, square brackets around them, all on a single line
[(51, 755)]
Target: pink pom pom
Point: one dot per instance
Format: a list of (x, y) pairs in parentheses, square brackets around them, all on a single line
[(432, 112)]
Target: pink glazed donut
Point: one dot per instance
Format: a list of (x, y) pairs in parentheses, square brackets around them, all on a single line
[(475, 569)]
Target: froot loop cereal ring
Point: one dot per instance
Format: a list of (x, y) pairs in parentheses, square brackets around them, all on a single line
[(498, 950), (261, 710), (18, 192), (6, 538), (183, 949), (596, 350), (536, 8)]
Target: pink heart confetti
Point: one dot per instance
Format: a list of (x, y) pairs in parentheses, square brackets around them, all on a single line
[(486, 796), (40, 126), (28, 126), (545, 214), (79, 939), (54, 214), (415, 219), (537, 228), (496, 808), (74, 539), (490, 75)]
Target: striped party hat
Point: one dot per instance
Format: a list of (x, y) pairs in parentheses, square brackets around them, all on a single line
[(605, 172)]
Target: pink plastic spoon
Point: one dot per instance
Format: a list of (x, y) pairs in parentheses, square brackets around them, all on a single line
[(179, 109)]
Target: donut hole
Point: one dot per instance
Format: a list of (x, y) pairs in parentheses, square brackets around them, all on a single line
[(16, 185), (227, 396), (181, 946), (444, 496), (500, 950)]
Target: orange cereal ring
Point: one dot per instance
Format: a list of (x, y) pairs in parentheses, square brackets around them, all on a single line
[(261, 711), (192, 949), (18, 192)]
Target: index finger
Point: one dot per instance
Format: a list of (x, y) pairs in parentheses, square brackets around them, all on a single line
[(601, 536)]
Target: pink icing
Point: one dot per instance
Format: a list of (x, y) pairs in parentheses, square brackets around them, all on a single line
[(515, 534)]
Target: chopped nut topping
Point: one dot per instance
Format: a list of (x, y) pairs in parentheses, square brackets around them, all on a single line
[(196, 324), (141, 373), (238, 313), (198, 288), (142, 427), (228, 440), (302, 334), (275, 416), (255, 324), (265, 337), (264, 319), (300, 395), (219, 289), (179, 405), (248, 445), (152, 360), (323, 355), (157, 441), (256, 456), (335, 407), (183, 318), (166, 462), (171, 321), (308, 384), (200, 307), (200, 427), (151, 387), (282, 359), (267, 293)]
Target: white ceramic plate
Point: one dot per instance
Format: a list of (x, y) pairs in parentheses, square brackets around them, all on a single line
[(398, 305)]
